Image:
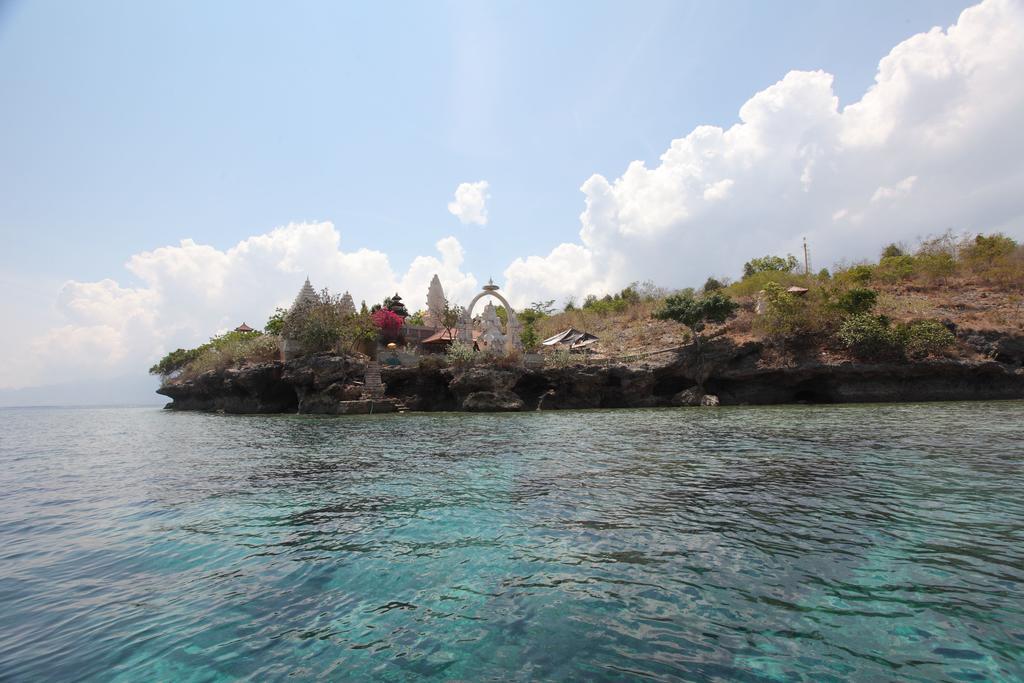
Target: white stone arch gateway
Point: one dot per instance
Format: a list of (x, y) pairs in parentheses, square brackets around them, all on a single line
[(513, 330)]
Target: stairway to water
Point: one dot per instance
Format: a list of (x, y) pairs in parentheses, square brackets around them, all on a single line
[(373, 388)]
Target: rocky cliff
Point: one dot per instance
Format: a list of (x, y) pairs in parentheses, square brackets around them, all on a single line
[(723, 372)]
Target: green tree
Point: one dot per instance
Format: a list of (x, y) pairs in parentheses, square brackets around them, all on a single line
[(926, 338), (529, 337), (936, 257), (173, 362), (450, 315), (984, 251), (859, 274), (895, 268), (460, 354), (529, 318), (629, 294), (868, 335), (695, 313), (275, 323), (856, 300), (712, 284), (770, 263), (357, 329), (785, 314), (395, 305), (545, 308), (318, 325), (893, 250)]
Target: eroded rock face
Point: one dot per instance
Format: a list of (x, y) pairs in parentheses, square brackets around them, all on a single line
[(492, 402), (251, 389), (484, 379), (1002, 348), (423, 389), (732, 374)]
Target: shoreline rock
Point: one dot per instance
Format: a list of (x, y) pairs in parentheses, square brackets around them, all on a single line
[(725, 374)]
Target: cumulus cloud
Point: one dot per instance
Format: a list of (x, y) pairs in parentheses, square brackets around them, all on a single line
[(190, 291), (900, 189), (935, 143), (470, 205)]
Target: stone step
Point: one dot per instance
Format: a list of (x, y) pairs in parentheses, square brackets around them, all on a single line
[(373, 387)]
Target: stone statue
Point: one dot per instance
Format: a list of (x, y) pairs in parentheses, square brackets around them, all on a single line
[(491, 336), (465, 328)]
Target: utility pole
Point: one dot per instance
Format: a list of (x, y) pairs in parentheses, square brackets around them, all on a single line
[(807, 259)]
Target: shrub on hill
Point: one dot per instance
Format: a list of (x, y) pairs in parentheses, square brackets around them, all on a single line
[(855, 275), (695, 313), (893, 250), (925, 338), (894, 268), (775, 264), (856, 300), (275, 323), (324, 325), (256, 348), (231, 348), (994, 259), (868, 335), (173, 362), (787, 315), (460, 354), (872, 336), (712, 284), (752, 285)]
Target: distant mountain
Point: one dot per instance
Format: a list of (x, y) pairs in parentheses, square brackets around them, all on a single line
[(124, 390)]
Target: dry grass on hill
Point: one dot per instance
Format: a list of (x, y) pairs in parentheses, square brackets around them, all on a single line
[(968, 304), (634, 330)]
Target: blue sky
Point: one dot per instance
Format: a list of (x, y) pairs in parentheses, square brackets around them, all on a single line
[(619, 142), (131, 125)]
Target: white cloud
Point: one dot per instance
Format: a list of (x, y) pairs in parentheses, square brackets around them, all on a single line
[(900, 189), (470, 205), (935, 143), (191, 291), (719, 190)]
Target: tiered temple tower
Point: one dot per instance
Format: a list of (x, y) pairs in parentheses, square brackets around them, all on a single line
[(306, 295), (436, 303)]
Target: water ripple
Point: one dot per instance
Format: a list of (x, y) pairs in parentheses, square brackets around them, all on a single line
[(791, 543)]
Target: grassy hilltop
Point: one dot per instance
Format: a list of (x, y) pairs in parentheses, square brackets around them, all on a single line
[(900, 303)]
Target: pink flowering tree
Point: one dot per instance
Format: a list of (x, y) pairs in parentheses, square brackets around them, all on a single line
[(389, 323)]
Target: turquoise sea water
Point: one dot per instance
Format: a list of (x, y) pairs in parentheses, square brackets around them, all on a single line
[(857, 543)]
